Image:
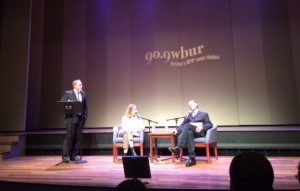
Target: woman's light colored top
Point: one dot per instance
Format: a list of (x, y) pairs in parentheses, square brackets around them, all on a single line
[(133, 124)]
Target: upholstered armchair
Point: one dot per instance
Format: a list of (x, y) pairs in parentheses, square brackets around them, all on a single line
[(207, 142), (118, 141)]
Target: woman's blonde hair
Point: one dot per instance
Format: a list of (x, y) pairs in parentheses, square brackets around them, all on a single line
[(129, 110)]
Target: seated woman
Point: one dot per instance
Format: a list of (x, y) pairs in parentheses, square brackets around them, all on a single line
[(131, 126)]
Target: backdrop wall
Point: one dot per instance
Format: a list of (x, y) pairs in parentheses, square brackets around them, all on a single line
[(239, 59)]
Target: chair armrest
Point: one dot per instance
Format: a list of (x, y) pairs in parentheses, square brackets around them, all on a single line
[(211, 135), (115, 133), (142, 134)]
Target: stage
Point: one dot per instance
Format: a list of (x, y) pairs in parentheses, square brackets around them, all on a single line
[(100, 173)]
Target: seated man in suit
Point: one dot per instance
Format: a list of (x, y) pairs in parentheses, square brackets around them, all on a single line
[(194, 125)]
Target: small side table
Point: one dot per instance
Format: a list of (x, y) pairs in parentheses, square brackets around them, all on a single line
[(159, 135)]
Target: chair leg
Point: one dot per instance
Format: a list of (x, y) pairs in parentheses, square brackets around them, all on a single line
[(142, 150), (207, 153), (180, 155), (216, 151), (114, 153)]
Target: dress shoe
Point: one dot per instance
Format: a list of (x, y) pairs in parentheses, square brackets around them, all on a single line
[(174, 150), (77, 160), (190, 162), (65, 159)]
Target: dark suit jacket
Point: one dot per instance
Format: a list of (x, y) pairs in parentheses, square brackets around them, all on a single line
[(199, 117), (71, 96)]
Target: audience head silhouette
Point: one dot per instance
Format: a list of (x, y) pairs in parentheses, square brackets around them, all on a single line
[(251, 171), (131, 185)]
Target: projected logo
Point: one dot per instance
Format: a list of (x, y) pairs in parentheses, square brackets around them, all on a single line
[(181, 57)]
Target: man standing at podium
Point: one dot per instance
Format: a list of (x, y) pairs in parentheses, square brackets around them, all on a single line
[(72, 142)]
